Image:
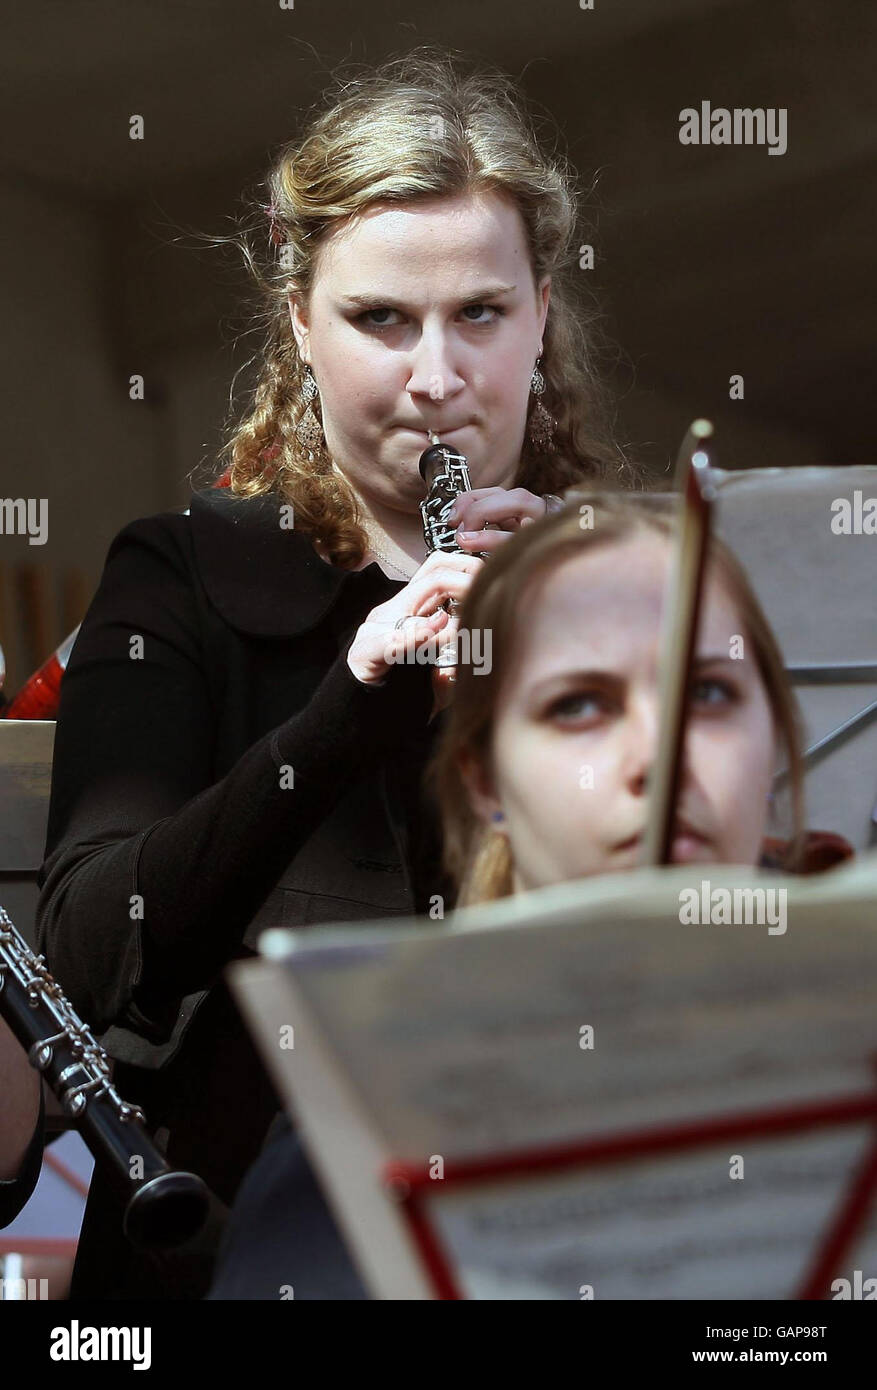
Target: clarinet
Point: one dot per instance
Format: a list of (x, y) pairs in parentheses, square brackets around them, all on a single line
[(164, 1208), (446, 474)]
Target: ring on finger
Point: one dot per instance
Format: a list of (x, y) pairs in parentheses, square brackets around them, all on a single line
[(408, 618)]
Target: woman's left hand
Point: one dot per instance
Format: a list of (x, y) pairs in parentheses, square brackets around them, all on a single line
[(506, 510)]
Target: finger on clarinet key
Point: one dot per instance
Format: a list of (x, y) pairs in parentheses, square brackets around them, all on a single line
[(487, 541)]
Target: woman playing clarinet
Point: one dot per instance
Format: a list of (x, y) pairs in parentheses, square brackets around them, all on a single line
[(242, 730)]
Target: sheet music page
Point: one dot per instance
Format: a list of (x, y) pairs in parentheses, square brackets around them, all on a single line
[(669, 1227), (589, 1009)]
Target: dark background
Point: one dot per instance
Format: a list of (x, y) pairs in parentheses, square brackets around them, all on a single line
[(711, 260)]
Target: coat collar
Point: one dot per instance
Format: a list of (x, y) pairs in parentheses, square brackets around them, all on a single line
[(262, 578)]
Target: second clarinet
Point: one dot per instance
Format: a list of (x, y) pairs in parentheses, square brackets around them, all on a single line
[(164, 1208)]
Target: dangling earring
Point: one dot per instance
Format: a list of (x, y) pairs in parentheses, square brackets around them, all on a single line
[(498, 817), (309, 430), (541, 427)]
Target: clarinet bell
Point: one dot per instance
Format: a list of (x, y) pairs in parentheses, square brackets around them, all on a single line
[(166, 1210)]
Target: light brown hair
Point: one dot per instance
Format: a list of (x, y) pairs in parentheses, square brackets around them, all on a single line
[(479, 860)]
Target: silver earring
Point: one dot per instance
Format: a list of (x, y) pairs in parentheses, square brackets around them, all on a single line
[(309, 431), (541, 426)]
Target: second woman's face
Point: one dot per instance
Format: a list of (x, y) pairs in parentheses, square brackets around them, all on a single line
[(576, 730), (424, 316)]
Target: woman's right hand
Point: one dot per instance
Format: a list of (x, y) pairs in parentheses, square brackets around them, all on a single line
[(380, 644)]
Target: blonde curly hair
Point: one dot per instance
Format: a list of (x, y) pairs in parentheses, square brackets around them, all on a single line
[(425, 125)]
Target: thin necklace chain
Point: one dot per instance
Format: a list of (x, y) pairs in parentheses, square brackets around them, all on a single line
[(381, 556)]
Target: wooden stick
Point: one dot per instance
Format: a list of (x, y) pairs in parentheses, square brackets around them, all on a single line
[(681, 613)]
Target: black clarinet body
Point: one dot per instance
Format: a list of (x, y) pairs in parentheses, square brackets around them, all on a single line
[(446, 474), (164, 1208)]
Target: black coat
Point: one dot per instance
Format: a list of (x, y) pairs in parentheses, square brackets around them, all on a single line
[(210, 671)]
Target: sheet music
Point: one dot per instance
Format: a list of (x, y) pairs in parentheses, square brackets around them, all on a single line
[(674, 1227), (460, 1048), (471, 1038)]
